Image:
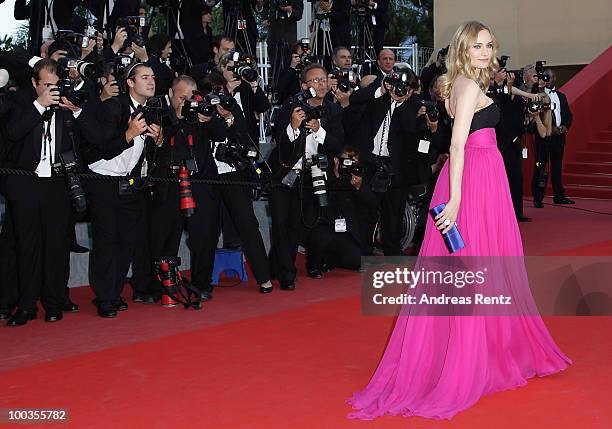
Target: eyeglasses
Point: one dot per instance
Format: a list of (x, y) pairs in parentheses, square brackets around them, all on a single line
[(317, 80)]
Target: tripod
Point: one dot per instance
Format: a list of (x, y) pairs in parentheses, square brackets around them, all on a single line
[(181, 60), (364, 48), (236, 28), (321, 22)]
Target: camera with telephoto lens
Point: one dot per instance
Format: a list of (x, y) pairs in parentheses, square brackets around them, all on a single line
[(67, 166), (233, 153), (539, 67), (345, 78), (206, 106), (349, 166), (398, 80), (317, 165), (70, 73), (431, 110), (120, 65), (132, 25), (245, 66)]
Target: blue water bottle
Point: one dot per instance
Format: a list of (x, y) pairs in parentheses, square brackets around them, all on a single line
[(452, 238)]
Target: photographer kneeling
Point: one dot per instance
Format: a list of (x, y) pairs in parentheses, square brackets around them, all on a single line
[(309, 128), (336, 242)]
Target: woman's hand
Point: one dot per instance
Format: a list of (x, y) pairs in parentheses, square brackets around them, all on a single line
[(447, 217)]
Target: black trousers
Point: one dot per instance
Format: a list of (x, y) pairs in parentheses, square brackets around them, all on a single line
[(118, 228), (142, 268), (239, 203), (338, 250), (550, 148), (9, 285), (392, 207), (513, 161), (287, 230), (167, 224), (41, 226)]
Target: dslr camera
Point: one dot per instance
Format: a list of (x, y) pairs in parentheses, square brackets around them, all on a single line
[(206, 106), (245, 66), (133, 26), (233, 153), (349, 166), (306, 58), (538, 106), (317, 165), (431, 110), (398, 80), (67, 166), (71, 42), (156, 110), (539, 67), (345, 78), (301, 100), (70, 71)]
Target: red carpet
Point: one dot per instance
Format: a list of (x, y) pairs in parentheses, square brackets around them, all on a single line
[(287, 360)]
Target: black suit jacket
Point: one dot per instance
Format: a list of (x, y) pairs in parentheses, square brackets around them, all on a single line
[(252, 102), (110, 142), (25, 133), (35, 11), (291, 151)]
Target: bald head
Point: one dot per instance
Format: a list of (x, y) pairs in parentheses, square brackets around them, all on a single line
[(386, 60)]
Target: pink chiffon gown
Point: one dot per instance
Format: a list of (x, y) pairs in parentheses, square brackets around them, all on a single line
[(437, 366)]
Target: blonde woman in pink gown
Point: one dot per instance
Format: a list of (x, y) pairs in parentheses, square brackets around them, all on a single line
[(437, 366)]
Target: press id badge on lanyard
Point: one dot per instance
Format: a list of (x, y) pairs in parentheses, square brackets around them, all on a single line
[(340, 225)]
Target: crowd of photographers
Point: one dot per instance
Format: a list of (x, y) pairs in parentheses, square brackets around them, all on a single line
[(113, 131)]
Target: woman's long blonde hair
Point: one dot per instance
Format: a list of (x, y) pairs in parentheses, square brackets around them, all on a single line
[(458, 59)]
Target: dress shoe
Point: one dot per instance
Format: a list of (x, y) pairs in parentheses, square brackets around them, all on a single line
[(206, 295), (121, 305), (138, 297), (563, 200), (538, 204), (107, 313), (21, 317), (289, 285), (5, 314), (53, 316), (523, 219), (70, 307), (266, 287), (315, 273)]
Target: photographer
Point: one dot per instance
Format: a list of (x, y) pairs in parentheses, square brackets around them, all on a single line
[(117, 206), (242, 84), (509, 130), (44, 134), (244, 33), (376, 17), (339, 20), (188, 145), (385, 62), (221, 45), (158, 51), (434, 69), (281, 17), (389, 145), (43, 20), (336, 242), (289, 78), (552, 120), (292, 201)]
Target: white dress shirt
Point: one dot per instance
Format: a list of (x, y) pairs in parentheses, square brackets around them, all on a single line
[(47, 148), (313, 140), (382, 136), (124, 163), (554, 98)]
